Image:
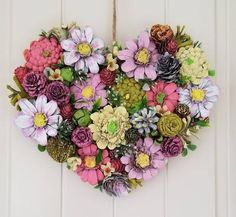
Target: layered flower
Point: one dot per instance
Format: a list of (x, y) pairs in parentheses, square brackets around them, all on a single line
[(58, 92), (83, 51), (163, 94), (140, 58), (170, 125), (86, 93), (90, 171), (172, 147), (199, 98), (42, 53), (81, 136), (20, 73), (109, 126), (194, 63), (145, 161), (35, 83), (39, 119), (73, 163), (107, 76)]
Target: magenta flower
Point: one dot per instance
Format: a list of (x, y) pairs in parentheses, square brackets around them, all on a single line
[(145, 161), (140, 58), (81, 136), (86, 93), (39, 119), (83, 51)]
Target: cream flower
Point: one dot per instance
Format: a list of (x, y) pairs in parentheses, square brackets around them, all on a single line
[(109, 127), (111, 62), (108, 169), (73, 163)]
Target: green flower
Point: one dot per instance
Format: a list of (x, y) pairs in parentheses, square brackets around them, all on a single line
[(82, 117)]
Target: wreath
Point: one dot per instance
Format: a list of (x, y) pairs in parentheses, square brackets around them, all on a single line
[(114, 116)]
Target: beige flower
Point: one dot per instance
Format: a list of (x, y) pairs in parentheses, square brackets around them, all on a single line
[(109, 127), (107, 169), (73, 163), (111, 63)]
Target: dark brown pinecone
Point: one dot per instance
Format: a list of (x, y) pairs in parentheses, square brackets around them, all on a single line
[(182, 110), (161, 33)]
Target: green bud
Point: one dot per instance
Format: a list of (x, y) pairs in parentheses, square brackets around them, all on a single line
[(82, 117), (67, 74)]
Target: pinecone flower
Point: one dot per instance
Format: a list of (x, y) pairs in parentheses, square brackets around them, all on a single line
[(65, 130), (132, 135), (172, 47), (145, 121), (107, 77), (168, 68), (161, 33), (34, 83), (182, 110)]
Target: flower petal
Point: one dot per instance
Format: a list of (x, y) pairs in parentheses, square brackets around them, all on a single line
[(54, 120), (79, 65), (28, 132), (92, 65), (99, 58), (125, 54), (150, 72), (147, 175), (68, 45), (75, 34), (143, 40), (170, 88), (88, 31), (92, 177), (27, 107), (40, 103), (51, 131), (40, 136), (24, 121), (131, 45), (139, 73), (50, 108), (71, 57), (128, 65), (97, 43)]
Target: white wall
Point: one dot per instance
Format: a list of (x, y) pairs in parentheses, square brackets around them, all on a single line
[(201, 185)]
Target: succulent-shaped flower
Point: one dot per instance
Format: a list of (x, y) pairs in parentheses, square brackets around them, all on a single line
[(109, 127), (132, 135), (145, 161), (130, 91), (199, 98), (116, 185), (81, 136), (170, 125), (140, 58), (83, 51), (168, 68), (194, 63), (42, 53), (145, 120)]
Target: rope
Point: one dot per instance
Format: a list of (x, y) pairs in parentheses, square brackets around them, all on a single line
[(114, 21)]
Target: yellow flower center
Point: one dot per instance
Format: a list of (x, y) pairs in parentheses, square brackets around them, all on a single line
[(143, 160), (88, 92), (84, 49), (90, 161), (40, 120), (142, 56), (197, 94)]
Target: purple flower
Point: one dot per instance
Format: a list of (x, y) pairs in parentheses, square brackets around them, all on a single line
[(171, 147), (83, 51), (199, 98), (145, 161), (58, 92), (35, 83), (86, 93), (39, 119), (81, 136), (140, 58)]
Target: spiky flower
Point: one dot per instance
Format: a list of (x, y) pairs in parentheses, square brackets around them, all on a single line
[(65, 130), (145, 120), (132, 135)]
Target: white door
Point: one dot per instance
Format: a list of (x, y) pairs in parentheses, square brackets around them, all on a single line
[(200, 185)]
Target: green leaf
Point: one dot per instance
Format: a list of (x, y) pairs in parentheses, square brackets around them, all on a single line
[(212, 73), (191, 147), (97, 104), (203, 123), (184, 152), (99, 157), (41, 148)]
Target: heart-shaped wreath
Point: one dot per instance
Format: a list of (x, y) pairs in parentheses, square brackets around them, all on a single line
[(115, 116)]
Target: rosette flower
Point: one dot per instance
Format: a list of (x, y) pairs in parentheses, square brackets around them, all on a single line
[(172, 147), (109, 127), (20, 73), (81, 136), (58, 92), (86, 93), (116, 185), (42, 53), (145, 161), (35, 84), (89, 170), (168, 68), (107, 76), (140, 58), (83, 51), (199, 98), (170, 125), (145, 121), (39, 119), (194, 63), (163, 94)]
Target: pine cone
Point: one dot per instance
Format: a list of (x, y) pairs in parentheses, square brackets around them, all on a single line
[(66, 111), (182, 110), (65, 130), (58, 151), (107, 77), (172, 47), (161, 33), (168, 68), (132, 135)]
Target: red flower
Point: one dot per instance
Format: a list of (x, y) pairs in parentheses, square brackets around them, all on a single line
[(66, 111), (20, 73), (107, 77)]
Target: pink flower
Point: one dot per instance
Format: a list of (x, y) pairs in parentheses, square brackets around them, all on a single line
[(163, 94), (39, 119), (89, 170), (140, 58), (42, 53), (86, 93)]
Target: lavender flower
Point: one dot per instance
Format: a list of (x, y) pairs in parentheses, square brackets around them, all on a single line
[(171, 147)]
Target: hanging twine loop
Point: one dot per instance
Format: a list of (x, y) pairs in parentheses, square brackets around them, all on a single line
[(114, 21)]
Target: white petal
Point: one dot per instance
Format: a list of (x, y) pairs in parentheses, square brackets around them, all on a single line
[(88, 31), (97, 43), (24, 121), (54, 120), (50, 108), (99, 58), (92, 65), (76, 35), (71, 57), (28, 131), (51, 131), (27, 107), (79, 65), (40, 136), (68, 45), (40, 103)]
